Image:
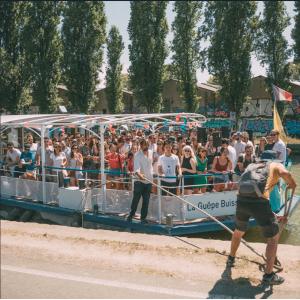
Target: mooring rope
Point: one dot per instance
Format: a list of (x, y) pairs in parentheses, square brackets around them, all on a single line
[(219, 222)]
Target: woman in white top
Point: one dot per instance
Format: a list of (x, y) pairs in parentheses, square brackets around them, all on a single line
[(58, 160), (75, 162)]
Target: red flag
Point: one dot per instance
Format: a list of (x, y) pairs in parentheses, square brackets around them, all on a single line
[(281, 95)]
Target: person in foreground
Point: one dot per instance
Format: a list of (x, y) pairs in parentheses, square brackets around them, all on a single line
[(143, 169), (255, 186)]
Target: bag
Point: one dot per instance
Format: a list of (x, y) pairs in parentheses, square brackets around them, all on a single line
[(253, 181)]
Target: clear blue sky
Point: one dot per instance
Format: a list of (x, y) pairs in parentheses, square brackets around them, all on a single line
[(118, 13)]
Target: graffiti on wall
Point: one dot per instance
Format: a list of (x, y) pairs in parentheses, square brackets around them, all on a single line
[(257, 125), (292, 127), (218, 123)]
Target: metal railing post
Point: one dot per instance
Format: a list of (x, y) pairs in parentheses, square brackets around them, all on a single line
[(159, 199), (183, 207), (43, 159)]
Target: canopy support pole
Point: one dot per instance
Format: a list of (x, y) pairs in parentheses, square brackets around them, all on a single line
[(43, 163), (102, 166)]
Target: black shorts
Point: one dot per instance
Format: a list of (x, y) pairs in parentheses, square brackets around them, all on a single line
[(169, 186), (261, 212)]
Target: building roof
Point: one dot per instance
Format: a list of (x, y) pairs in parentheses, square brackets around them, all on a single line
[(210, 87), (81, 120)]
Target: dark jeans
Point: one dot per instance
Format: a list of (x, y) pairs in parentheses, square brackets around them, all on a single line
[(140, 190), (169, 186)]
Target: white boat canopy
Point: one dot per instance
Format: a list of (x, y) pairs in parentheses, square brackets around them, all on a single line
[(47, 121), (80, 120)]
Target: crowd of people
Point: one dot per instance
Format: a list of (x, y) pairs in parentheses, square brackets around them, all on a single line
[(179, 159)]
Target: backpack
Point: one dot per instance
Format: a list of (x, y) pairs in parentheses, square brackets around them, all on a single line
[(253, 181)]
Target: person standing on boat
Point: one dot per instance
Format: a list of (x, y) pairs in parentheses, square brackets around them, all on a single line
[(12, 158), (58, 162), (168, 165), (143, 161), (201, 181), (26, 163), (279, 146), (253, 200), (188, 168), (239, 145), (222, 165), (244, 160)]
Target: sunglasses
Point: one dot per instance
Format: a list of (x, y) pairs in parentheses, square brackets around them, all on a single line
[(187, 150), (273, 134)]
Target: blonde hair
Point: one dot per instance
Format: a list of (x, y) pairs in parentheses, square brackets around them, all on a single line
[(188, 147)]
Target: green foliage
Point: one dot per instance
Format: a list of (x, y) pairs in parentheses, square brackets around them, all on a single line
[(230, 27), (83, 35), (296, 33), (147, 30), (114, 93), (14, 80), (125, 81), (272, 47), (186, 50), (44, 52), (169, 72)]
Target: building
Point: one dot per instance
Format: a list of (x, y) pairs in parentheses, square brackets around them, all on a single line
[(173, 102), (102, 104), (260, 103)]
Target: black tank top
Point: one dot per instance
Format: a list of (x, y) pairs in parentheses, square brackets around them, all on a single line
[(186, 163)]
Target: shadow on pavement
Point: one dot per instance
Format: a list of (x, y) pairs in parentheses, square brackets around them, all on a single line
[(238, 288)]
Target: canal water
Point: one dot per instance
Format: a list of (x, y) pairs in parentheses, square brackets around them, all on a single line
[(291, 235)]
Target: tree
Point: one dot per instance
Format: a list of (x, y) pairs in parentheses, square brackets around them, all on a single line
[(296, 33), (114, 93), (44, 52), (185, 46), (126, 84), (83, 36), (14, 80), (272, 47), (230, 27), (147, 30), (169, 72)]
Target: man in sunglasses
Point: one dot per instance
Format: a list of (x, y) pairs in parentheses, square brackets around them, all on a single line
[(279, 146)]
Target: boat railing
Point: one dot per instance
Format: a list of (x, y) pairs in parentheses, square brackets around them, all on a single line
[(113, 195)]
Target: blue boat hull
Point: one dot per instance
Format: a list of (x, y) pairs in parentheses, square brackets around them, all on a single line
[(120, 222)]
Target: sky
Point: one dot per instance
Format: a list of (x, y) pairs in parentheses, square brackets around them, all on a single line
[(118, 14)]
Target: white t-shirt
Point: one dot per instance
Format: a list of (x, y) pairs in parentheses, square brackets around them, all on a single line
[(232, 155), (143, 164), (125, 148), (153, 147), (33, 149), (13, 155), (58, 160), (280, 147), (169, 164), (239, 148)]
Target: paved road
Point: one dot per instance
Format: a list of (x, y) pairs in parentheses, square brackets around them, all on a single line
[(37, 278), (25, 278)]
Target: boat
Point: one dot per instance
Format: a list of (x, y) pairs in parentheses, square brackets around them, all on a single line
[(93, 202)]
